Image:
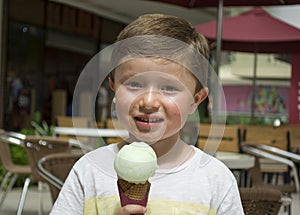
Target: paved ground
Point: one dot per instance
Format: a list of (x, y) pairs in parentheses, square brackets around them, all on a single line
[(31, 207)]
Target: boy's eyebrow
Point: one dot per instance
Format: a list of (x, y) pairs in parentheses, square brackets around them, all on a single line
[(162, 78), (126, 76)]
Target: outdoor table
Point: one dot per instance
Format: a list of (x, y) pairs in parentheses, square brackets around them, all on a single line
[(238, 163), (235, 160), (91, 132)]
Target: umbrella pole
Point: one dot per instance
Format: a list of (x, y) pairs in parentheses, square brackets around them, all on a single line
[(216, 95), (254, 88), (219, 36)]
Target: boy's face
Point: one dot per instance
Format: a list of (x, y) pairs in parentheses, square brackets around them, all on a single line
[(154, 97)]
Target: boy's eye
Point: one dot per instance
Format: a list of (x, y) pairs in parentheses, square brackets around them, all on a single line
[(168, 89), (134, 85)]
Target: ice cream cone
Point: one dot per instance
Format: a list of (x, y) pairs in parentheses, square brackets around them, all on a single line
[(135, 164), (131, 193)]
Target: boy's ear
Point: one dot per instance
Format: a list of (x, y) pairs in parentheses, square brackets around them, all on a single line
[(111, 84), (198, 98)]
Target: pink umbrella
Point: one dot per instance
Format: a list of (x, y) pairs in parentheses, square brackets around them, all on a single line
[(214, 3), (220, 4), (255, 31)]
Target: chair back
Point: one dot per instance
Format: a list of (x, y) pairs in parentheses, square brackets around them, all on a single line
[(294, 138), (229, 141), (260, 201), (256, 174), (68, 121), (5, 152), (39, 146), (55, 177), (267, 135)]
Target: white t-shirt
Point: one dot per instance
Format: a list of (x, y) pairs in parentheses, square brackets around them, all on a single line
[(201, 185)]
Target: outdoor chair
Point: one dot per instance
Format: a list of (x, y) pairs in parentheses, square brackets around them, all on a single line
[(257, 177), (260, 201), (13, 169), (54, 168), (295, 141), (211, 135), (37, 147), (294, 137), (69, 121), (268, 135), (278, 137)]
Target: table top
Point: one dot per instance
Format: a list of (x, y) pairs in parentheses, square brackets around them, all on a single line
[(235, 160), (91, 132)]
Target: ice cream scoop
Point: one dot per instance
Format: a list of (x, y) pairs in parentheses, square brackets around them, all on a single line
[(136, 162)]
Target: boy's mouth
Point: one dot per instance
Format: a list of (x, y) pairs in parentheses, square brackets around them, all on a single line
[(147, 123), (148, 120)]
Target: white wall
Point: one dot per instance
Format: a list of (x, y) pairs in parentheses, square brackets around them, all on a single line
[(289, 14)]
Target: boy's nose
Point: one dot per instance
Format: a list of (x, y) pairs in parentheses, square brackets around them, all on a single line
[(150, 100)]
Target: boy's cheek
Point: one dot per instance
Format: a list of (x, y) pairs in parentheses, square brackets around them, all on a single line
[(178, 115)]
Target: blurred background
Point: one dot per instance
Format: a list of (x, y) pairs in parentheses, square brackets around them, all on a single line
[(46, 44)]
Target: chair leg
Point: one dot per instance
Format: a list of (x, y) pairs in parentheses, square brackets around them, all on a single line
[(23, 196), (40, 189), (10, 185), (4, 181)]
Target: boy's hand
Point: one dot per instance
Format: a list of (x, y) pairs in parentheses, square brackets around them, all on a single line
[(132, 209)]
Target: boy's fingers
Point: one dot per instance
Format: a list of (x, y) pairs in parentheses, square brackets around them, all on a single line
[(132, 209)]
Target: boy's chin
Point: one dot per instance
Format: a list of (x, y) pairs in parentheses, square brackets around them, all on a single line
[(149, 138)]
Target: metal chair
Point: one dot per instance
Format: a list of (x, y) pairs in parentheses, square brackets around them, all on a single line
[(275, 136), (55, 177), (13, 170), (295, 157), (37, 147), (257, 177), (260, 201)]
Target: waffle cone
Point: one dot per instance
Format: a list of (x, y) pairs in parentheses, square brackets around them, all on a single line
[(131, 193)]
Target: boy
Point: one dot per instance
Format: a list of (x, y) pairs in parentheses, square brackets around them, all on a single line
[(159, 78)]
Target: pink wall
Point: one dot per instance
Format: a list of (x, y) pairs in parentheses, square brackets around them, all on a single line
[(268, 99)]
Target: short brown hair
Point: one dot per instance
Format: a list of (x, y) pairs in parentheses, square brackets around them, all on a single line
[(167, 26)]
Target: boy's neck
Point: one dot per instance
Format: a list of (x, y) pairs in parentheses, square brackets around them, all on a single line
[(174, 154), (164, 146)]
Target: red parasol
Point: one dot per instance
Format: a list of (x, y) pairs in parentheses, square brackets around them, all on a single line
[(214, 3), (220, 4), (258, 32), (255, 31)]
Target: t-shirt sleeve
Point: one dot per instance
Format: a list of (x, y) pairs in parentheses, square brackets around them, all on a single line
[(231, 203), (71, 197)]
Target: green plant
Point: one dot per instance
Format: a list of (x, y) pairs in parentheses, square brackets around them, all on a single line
[(19, 157), (39, 128), (42, 129)]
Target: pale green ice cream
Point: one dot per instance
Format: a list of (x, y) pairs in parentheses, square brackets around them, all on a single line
[(136, 162)]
